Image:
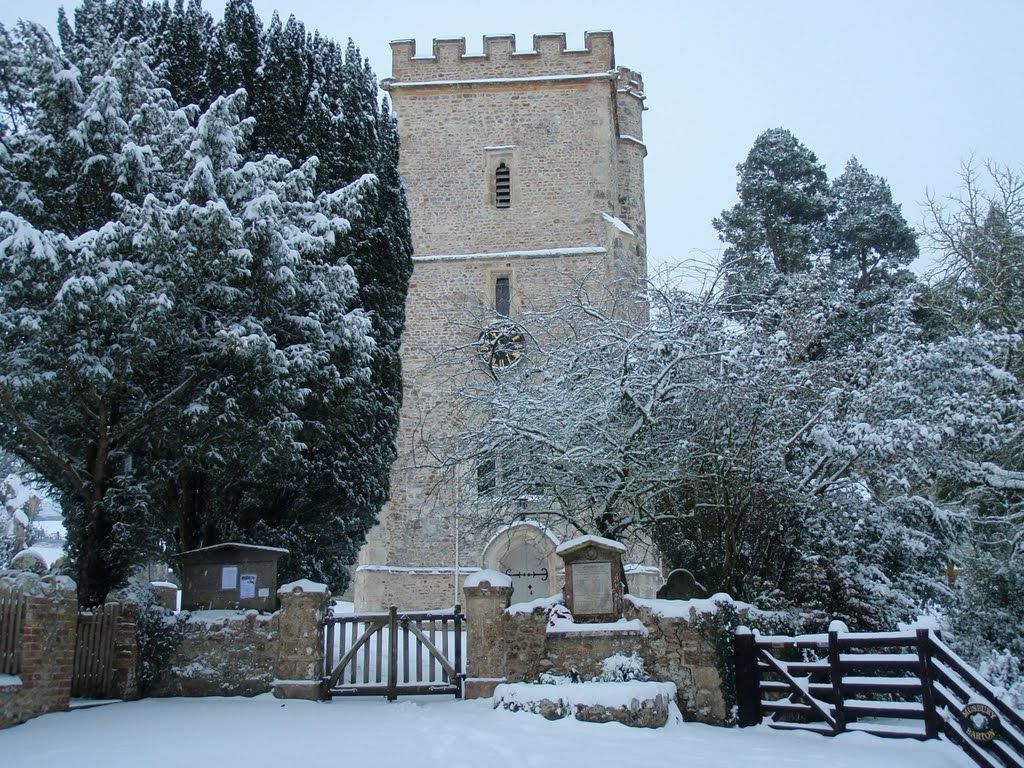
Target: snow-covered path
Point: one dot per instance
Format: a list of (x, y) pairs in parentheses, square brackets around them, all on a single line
[(264, 731)]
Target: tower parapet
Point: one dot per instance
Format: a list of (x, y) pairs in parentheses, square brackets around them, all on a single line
[(501, 59)]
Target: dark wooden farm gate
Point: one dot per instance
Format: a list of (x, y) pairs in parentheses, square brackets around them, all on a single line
[(394, 653), (894, 684)]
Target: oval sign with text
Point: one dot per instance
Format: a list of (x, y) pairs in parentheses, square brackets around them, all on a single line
[(980, 722)]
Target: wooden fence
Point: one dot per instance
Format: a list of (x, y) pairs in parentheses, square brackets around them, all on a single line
[(12, 616), (93, 673), (894, 684)]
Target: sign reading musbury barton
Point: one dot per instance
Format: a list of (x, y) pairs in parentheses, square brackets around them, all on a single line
[(593, 583)]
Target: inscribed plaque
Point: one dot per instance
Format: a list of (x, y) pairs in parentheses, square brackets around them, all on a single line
[(247, 586), (229, 577), (592, 588)]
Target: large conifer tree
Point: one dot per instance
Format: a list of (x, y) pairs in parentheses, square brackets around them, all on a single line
[(312, 98)]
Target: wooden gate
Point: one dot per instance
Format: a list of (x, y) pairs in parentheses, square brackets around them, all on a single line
[(897, 684), (12, 616), (394, 653), (93, 672)]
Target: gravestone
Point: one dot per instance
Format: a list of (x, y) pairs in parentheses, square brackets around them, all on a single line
[(681, 585), (593, 578)]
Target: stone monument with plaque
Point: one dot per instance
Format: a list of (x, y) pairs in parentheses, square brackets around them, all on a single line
[(593, 578)]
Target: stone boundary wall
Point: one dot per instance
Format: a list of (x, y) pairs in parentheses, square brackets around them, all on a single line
[(514, 646), (47, 646), (221, 653), (675, 651)]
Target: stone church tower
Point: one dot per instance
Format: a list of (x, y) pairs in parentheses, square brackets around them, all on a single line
[(524, 173)]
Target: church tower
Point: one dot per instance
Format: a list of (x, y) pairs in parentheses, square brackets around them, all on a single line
[(524, 174)]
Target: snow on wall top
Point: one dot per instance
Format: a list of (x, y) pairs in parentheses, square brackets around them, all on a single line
[(541, 603), (583, 541), (302, 585), (501, 58), (560, 626), (689, 609), (492, 577)]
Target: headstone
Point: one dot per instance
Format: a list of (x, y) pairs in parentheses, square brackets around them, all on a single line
[(593, 578), (681, 585)]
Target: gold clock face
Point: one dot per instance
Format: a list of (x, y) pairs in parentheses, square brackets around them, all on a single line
[(501, 345)]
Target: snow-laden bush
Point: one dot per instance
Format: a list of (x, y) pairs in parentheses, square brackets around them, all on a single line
[(1005, 670), (158, 630), (619, 668)]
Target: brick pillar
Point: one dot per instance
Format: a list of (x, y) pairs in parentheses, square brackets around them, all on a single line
[(488, 594), (126, 653), (299, 671), (47, 644)]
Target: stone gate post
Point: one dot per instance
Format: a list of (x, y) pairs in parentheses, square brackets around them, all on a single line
[(487, 596), (126, 652), (299, 670)]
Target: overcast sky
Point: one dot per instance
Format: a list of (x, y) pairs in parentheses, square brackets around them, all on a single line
[(911, 88)]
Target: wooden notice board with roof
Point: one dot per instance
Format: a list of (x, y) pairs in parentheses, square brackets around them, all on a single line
[(229, 576)]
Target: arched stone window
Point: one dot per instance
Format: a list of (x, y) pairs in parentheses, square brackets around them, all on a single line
[(503, 186)]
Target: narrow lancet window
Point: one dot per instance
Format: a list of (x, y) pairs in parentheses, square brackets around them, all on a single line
[(503, 187), (502, 296)]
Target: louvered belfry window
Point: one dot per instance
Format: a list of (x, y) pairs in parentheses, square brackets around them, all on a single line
[(503, 187)]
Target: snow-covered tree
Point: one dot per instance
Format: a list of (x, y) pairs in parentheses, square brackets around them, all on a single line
[(165, 304), (979, 234), (311, 97), (870, 243), (780, 476), (777, 226)]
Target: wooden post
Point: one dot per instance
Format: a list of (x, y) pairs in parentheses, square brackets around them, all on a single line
[(931, 716), (459, 676), (835, 672), (392, 653), (748, 678), (329, 654)]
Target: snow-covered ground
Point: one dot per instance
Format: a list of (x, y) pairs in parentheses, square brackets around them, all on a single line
[(264, 731)]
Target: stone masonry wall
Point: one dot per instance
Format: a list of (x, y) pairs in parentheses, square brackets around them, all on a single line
[(222, 653), (553, 116), (516, 647), (47, 646), (560, 156), (676, 652)]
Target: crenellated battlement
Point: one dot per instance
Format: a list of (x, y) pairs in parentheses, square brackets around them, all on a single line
[(501, 58), (630, 81)]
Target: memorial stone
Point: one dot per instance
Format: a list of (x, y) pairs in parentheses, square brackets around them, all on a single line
[(593, 578), (681, 585)]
